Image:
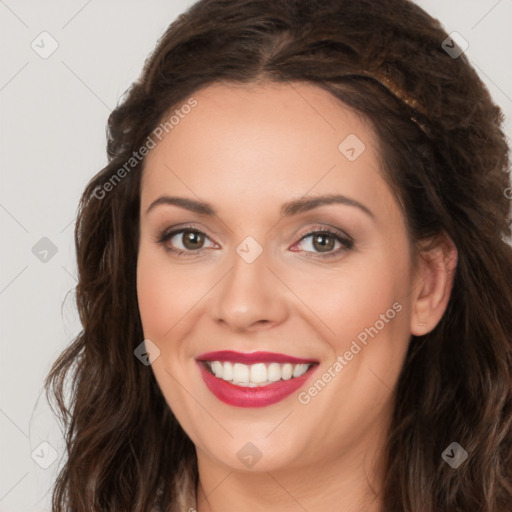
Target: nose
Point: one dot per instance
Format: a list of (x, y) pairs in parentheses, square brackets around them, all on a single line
[(250, 297)]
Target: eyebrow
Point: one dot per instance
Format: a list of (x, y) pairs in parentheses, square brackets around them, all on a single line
[(287, 209)]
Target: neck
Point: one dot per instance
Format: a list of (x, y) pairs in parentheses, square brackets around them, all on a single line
[(350, 482)]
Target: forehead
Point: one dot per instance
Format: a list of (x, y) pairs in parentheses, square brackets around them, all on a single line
[(254, 144)]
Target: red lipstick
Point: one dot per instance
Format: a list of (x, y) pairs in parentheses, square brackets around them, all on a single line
[(257, 396), (252, 357)]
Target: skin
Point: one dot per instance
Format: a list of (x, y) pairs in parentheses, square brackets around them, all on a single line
[(246, 150)]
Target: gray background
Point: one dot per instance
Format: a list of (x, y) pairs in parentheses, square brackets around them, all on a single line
[(53, 118)]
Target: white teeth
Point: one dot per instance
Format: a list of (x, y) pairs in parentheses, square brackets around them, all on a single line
[(300, 369), (287, 371), (240, 372), (217, 368), (227, 371), (274, 372), (259, 374)]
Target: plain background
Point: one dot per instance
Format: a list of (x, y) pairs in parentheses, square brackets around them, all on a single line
[(53, 117)]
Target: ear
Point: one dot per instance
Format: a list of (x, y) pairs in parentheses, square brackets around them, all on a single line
[(435, 266)]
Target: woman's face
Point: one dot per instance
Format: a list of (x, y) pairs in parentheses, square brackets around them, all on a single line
[(266, 226)]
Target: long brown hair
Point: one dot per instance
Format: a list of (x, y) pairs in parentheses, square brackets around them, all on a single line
[(444, 154)]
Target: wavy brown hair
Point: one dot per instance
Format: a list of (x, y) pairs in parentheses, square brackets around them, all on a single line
[(444, 154)]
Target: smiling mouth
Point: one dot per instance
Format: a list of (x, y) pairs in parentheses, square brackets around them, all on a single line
[(258, 374), (253, 379)]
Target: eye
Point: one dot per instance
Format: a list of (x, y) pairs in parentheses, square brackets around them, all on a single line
[(184, 241), (190, 241), (325, 243)]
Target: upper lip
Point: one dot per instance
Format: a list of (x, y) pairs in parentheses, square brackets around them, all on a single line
[(252, 357)]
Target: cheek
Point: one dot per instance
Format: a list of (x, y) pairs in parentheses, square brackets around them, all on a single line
[(155, 296), (164, 292), (343, 302), (373, 337), (363, 313), (172, 297), (366, 312)]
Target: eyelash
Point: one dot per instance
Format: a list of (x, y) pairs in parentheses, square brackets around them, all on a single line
[(343, 239)]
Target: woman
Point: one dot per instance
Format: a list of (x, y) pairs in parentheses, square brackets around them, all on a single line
[(294, 279)]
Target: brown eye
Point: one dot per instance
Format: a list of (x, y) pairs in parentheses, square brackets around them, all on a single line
[(185, 242), (323, 242), (192, 240)]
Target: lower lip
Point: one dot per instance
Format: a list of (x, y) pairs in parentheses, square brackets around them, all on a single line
[(259, 396)]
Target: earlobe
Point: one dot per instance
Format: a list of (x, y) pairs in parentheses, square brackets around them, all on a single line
[(433, 282)]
